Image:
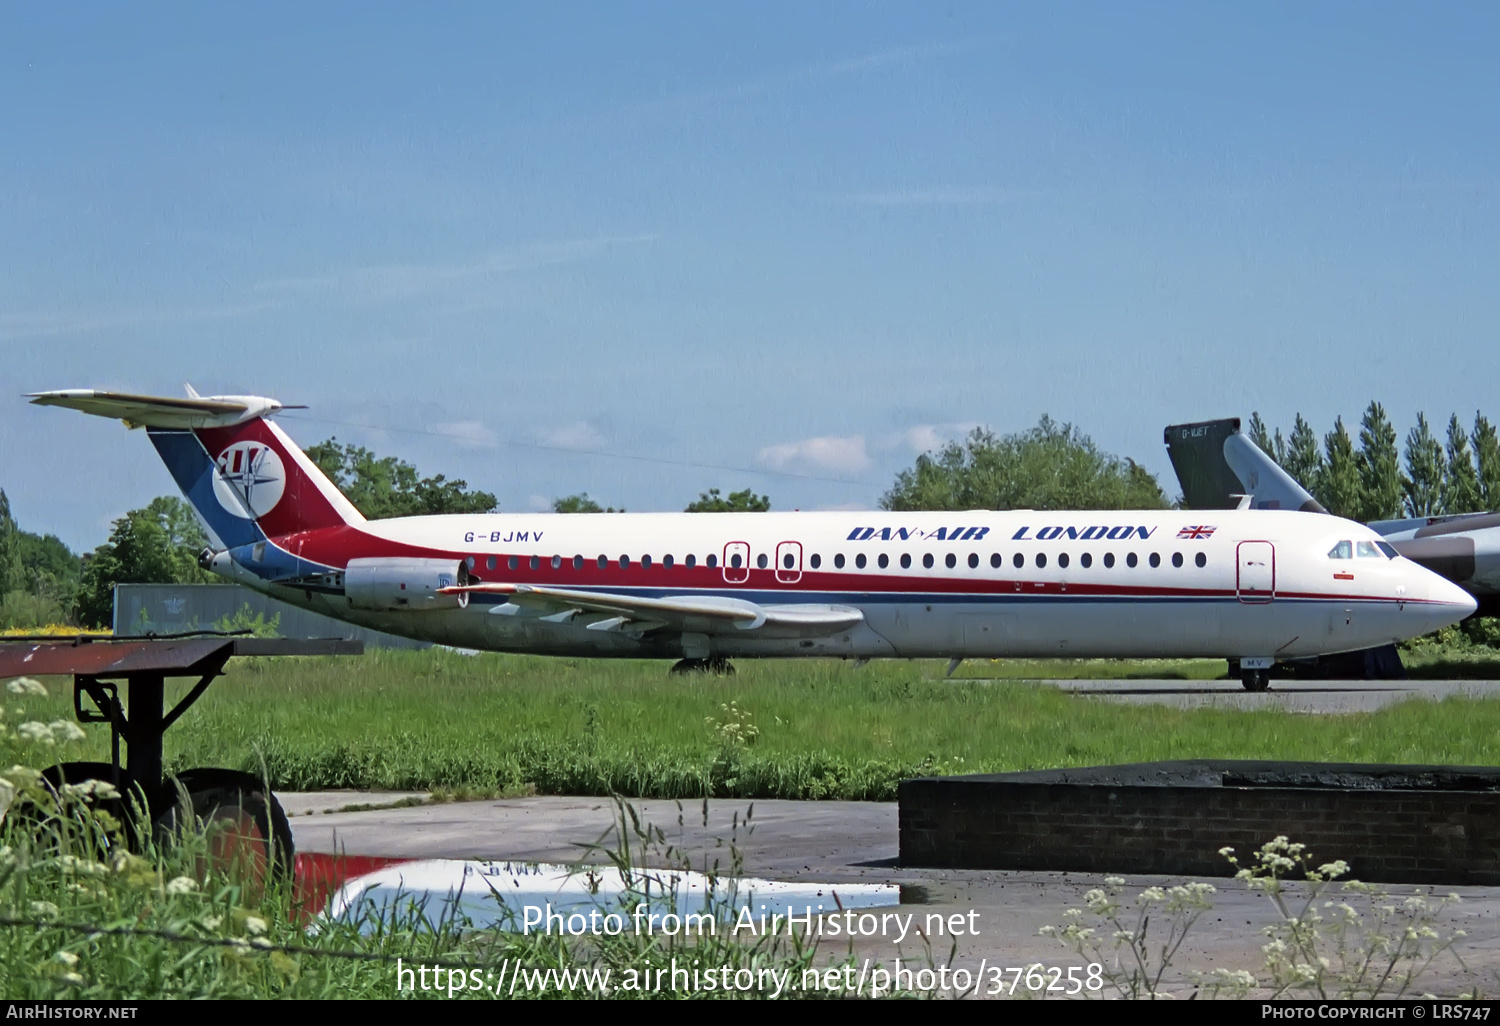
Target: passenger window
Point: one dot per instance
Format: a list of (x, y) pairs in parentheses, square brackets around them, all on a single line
[(469, 562), (926, 560), (859, 561), (556, 562), (1109, 560), (816, 560), (951, 560), (973, 561), (838, 561), (489, 564), (1062, 560), (603, 562), (906, 560), (788, 561), (734, 561), (995, 560), (624, 562), (761, 561), (1087, 560), (691, 561), (713, 561), (666, 562), (1018, 561), (577, 562), (1201, 560), (1367, 550), (513, 562), (1041, 559), (1176, 559), (1155, 560), (1130, 559), (884, 561), (535, 562), (1343, 550), (645, 562)]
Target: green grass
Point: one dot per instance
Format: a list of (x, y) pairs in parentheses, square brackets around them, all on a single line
[(507, 724)]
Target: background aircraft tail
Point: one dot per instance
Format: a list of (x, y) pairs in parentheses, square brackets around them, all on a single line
[(246, 479), (1216, 464)]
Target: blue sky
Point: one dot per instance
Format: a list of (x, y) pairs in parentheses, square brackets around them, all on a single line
[(784, 246)]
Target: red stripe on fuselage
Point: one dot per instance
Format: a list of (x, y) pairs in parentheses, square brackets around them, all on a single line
[(335, 547)]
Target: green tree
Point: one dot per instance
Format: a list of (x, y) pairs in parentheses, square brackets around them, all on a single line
[(384, 487), (1379, 467), (1461, 489), (1263, 439), (580, 503), (1339, 486), (1487, 456), (12, 569), (155, 545), (1423, 482), (1304, 459), (736, 502), (1051, 466)]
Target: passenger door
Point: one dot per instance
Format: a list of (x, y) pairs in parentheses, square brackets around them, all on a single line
[(1256, 573), (737, 562), (788, 562)]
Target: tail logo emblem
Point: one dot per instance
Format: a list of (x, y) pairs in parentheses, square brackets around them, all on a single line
[(251, 479)]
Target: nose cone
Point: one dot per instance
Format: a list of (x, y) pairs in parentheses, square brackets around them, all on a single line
[(1446, 602)]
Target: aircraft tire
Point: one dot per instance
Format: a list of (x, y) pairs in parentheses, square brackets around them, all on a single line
[(1255, 680), (717, 665)]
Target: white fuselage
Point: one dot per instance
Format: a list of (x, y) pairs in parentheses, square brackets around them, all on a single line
[(1250, 583)]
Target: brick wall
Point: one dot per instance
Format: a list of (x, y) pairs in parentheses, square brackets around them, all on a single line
[(1397, 824)]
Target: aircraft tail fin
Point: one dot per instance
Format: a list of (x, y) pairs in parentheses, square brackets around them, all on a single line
[(246, 479), (1216, 464)]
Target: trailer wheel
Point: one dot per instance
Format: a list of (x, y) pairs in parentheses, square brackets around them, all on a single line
[(247, 833)]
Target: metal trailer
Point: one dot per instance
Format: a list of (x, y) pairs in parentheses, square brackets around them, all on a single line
[(214, 794)]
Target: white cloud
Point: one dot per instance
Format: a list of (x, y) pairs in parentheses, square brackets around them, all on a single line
[(846, 455), (539, 503), (470, 433), (578, 435), (922, 438)]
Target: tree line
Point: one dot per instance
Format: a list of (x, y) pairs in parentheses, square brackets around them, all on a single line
[(1456, 474)]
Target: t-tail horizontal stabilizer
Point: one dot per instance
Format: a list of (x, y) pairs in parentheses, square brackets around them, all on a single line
[(1216, 465), (156, 411)]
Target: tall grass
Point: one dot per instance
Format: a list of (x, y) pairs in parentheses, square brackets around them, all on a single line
[(494, 723)]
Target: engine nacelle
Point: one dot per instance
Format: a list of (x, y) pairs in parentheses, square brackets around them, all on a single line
[(398, 584)]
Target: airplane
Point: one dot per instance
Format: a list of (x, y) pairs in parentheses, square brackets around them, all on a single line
[(1255, 585), (1216, 464)]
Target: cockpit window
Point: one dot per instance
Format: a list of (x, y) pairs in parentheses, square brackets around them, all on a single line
[(1343, 550), (1388, 549), (1367, 550)]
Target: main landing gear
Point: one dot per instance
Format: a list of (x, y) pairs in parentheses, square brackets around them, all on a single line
[(716, 665)]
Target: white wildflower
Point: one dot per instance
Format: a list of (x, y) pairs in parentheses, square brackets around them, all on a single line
[(65, 731), (1153, 894), (43, 909), (255, 925), (183, 885), (26, 686), (67, 958), (33, 730)]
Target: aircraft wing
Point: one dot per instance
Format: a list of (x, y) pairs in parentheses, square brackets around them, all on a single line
[(1216, 464), (702, 614)]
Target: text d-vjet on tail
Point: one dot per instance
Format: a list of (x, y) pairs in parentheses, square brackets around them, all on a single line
[(1217, 465), (1257, 585)]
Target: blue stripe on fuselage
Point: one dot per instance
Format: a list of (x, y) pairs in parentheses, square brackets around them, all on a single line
[(193, 470)]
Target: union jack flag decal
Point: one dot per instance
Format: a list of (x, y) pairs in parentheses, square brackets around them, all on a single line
[(1196, 532)]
